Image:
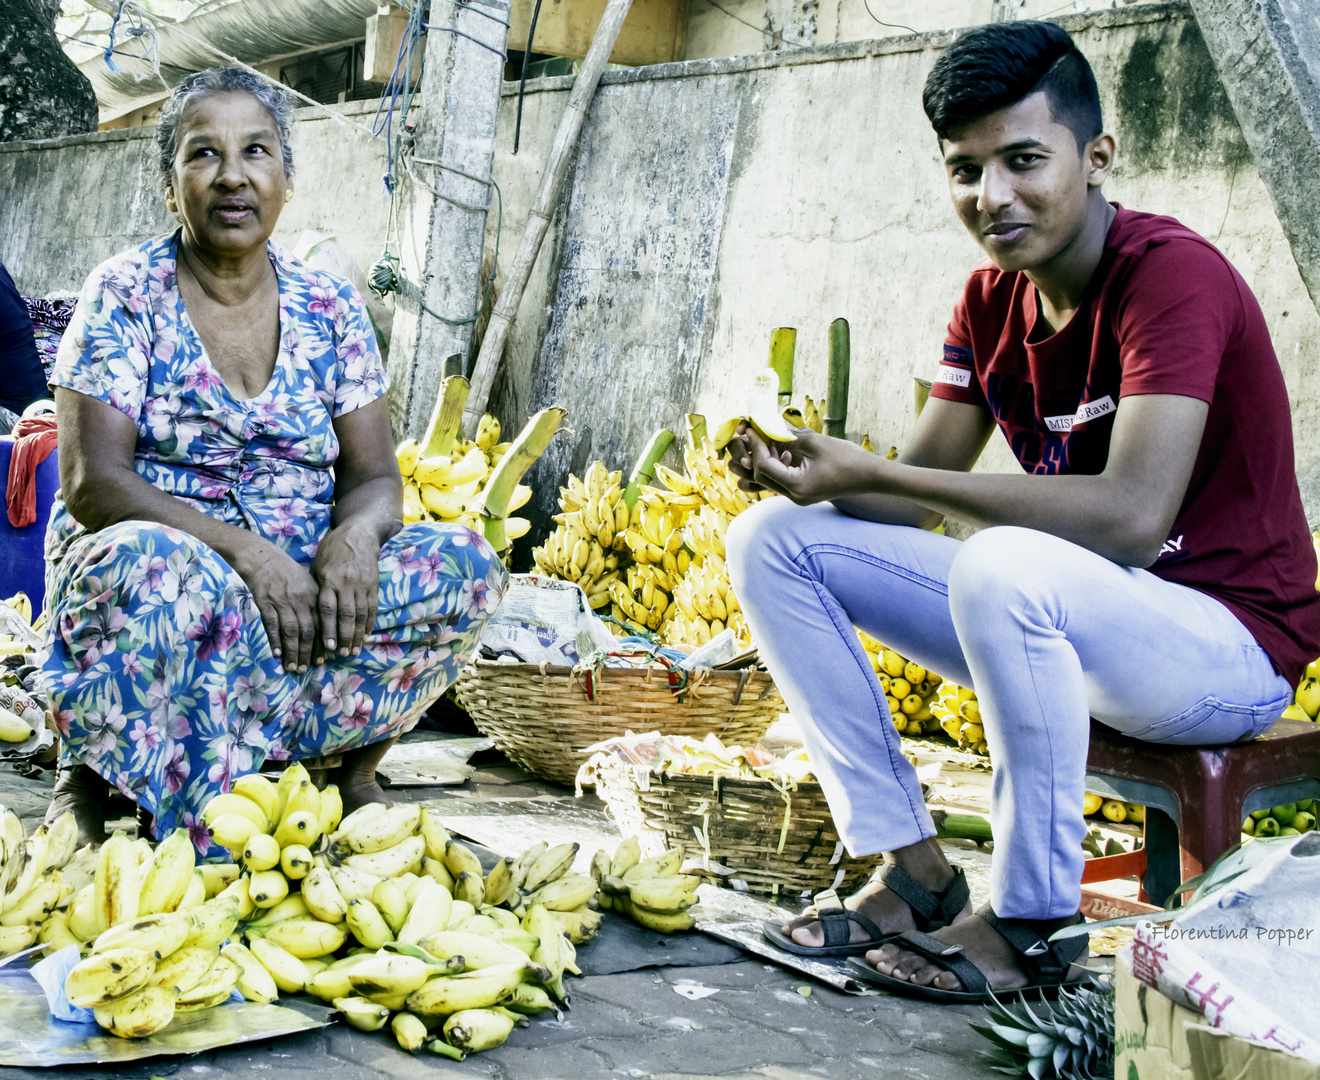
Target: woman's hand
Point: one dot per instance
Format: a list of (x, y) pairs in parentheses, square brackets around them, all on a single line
[(285, 594), (347, 568), (812, 468)]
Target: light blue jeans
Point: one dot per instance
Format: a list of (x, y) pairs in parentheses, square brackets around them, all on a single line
[(1049, 634)]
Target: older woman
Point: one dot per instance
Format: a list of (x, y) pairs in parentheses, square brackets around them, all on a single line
[(229, 576)]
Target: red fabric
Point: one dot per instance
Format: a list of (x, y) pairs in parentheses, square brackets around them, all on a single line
[(34, 439), (1164, 313)]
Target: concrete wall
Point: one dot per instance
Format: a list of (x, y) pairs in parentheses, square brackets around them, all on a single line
[(717, 199), (714, 200), (733, 27), (67, 204)]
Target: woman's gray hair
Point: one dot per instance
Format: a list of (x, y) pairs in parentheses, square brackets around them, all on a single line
[(221, 81)]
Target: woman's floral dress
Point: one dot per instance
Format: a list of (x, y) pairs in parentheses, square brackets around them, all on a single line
[(159, 669)]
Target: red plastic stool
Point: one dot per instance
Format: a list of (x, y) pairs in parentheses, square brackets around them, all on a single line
[(1196, 796)]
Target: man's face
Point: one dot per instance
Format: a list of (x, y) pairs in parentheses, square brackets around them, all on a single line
[(1018, 183)]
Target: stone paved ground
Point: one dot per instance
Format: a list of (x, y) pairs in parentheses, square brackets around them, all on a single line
[(629, 1025)]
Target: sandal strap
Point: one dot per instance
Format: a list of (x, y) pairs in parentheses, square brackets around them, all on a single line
[(1042, 960), (944, 955), (930, 910), (836, 924)]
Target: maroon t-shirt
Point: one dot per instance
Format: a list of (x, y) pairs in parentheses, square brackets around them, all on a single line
[(1164, 313)]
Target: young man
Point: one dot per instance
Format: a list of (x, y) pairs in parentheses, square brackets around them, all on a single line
[(1151, 567)]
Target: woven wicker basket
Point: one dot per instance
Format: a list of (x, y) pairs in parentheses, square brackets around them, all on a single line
[(544, 718), (735, 823)]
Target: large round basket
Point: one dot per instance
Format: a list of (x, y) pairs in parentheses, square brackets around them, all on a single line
[(772, 840), (544, 718)]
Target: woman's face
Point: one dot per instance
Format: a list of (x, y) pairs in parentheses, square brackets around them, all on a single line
[(229, 184)]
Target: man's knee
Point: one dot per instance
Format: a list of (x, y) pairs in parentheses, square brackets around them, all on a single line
[(1001, 564), (755, 538)]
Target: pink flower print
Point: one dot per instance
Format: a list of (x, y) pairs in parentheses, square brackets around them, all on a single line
[(176, 772), (103, 731), (477, 598), (197, 832), (201, 378), (428, 570), (145, 737), (132, 665), (465, 536), (152, 578), (401, 678), (64, 721), (248, 693), (214, 633), (336, 695), (325, 300), (358, 712)]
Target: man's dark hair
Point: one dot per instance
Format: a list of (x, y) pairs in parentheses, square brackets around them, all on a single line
[(997, 65)]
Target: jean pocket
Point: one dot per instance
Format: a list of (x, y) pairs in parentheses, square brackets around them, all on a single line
[(1212, 722)]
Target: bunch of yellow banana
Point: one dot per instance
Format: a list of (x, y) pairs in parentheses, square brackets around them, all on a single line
[(710, 475), (273, 829), (150, 925), (448, 487), (588, 536), (959, 715), (455, 948), (10, 645), (911, 690), (705, 605), (651, 892), (38, 875), (1306, 701)]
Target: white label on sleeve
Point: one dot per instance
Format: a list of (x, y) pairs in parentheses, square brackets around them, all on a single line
[(954, 376)]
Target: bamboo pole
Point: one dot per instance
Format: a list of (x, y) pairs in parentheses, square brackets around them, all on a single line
[(538, 222), (783, 350), (836, 397)]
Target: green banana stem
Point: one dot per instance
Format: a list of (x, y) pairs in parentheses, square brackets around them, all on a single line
[(836, 397), (644, 470), (783, 349), (696, 429), (448, 415), (439, 1046), (527, 447)]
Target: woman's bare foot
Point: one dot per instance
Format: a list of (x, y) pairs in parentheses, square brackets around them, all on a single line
[(357, 776), (925, 861), (83, 791)]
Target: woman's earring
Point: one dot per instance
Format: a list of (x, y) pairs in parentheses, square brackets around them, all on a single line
[(288, 194), (171, 206)]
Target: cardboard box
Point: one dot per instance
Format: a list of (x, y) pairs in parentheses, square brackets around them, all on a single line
[(1156, 1039)]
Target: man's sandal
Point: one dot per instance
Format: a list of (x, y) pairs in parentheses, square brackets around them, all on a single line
[(1046, 965), (930, 911)]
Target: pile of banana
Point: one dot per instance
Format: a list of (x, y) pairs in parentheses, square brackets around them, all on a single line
[(911, 691), (1114, 810), (651, 892), (449, 957), (448, 487), (150, 926), (1288, 820), (588, 539)]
